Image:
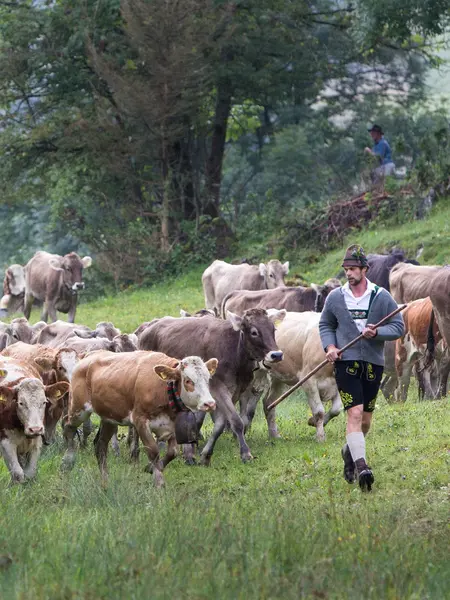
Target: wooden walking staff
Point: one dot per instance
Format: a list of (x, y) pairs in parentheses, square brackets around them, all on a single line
[(325, 362)]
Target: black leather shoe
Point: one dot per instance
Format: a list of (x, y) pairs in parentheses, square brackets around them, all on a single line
[(365, 475)]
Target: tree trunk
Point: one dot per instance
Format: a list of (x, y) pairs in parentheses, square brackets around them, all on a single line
[(215, 159)]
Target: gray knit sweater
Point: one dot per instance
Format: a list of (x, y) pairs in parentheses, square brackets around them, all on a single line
[(338, 328)]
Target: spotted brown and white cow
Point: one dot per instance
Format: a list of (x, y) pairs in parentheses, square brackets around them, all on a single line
[(131, 389), (23, 400)]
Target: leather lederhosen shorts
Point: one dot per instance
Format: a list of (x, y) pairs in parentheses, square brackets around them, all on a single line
[(358, 383)]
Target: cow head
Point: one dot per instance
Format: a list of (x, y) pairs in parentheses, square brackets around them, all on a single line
[(14, 281), (322, 292), (125, 342), (273, 273), (71, 267), (54, 409), (193, 375), (21, 330), (31, 397), (106, 329), (258, 333)]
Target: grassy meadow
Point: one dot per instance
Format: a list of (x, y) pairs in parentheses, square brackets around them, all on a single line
[(285, 526)]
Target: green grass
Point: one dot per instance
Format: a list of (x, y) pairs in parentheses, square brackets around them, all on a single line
[(285, 526)]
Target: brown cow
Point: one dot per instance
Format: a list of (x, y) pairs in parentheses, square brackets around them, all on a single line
[(440, 298), (221, 278), (53, 366), (411, 348), (292, 299), (124, 389), (13, 290), (23, 401), (56, 281), (239, 343), (19, 330), (410, 282)]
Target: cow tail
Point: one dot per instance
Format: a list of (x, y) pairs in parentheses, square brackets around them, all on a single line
[(431, 342)]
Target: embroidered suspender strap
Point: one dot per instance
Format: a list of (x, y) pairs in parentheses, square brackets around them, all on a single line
[(358, 313), (175, 402)]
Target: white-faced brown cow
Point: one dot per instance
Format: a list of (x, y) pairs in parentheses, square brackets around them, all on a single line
[(53, 366), (298, 338), (410, 282), (421, 334), (13, 290), (131, 389), (54, 280), (292, 299), (23, 400), (239, 343), (221, 278)]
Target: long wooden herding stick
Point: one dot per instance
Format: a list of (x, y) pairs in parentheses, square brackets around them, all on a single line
[(326, 362)]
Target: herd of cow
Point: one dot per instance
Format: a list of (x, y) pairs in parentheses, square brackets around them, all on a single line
[(255, 337)]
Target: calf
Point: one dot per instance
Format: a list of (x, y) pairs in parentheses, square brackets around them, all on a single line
[(298, 337), (239, 343), (23, 399), (131, 389)]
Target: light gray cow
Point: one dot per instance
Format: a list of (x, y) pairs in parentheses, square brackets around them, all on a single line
[(221, 278)]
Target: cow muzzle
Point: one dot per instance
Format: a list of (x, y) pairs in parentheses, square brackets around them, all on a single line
[(208, 406), (34, 431), (273, 357), (79, 285)]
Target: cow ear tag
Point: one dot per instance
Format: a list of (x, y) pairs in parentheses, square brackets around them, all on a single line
[(2, 398), (163, 375), (277, 323), (3, 373), (58, 393)]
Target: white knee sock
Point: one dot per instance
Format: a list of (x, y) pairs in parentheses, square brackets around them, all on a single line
[(357, 445)]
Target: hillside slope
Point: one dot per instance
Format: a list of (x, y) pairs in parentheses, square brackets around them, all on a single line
[(129, 309)]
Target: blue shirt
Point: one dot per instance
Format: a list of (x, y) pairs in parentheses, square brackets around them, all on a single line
[(383, 150)]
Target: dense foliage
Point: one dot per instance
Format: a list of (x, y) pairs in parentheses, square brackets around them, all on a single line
[(151, 133)]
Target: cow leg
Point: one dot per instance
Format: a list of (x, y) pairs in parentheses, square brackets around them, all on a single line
[(30, 469), (404, 378), (115, 445), (70, 433), (276, 389), (28, 305), (388, 386), (317, 409), (219, 426), (51, 311), (225, 412), (107, 430), (88, 428), (444, 372), (9, 453), (155, 465), (335, 409), (133, 443), (72, 311), (172, 451)]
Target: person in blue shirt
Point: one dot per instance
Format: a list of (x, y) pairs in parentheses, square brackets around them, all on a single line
[(381, 151)]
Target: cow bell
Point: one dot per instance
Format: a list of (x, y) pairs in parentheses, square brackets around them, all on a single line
[(186, 428)]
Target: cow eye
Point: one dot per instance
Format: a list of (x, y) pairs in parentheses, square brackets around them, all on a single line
[(272, 275), (254, 332)]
